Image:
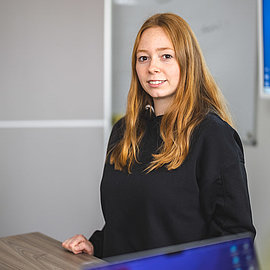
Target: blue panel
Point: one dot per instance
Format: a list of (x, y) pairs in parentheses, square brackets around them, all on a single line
[(228, 255), (266, 44)]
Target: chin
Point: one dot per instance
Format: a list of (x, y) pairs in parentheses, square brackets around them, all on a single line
[(159, 95), (156, 94)]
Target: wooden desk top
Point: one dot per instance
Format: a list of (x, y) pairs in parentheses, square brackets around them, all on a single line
[(38, 251)]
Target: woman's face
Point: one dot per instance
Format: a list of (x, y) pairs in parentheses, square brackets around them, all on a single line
[(156, 66)]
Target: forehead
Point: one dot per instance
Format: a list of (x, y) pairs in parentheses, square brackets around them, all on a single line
[(154, 37)]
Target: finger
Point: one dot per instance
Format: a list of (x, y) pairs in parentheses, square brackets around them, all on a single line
[(76, 241), (73, 241), (66, 244), (76, 249), (86, 247), (82, 247)]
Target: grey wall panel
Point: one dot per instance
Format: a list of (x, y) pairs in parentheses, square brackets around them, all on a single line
[(51, 59), (49, 181)]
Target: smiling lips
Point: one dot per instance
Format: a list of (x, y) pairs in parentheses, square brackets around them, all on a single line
[(156, 83)]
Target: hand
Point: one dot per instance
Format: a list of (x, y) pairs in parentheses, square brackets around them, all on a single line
[(78, 244)]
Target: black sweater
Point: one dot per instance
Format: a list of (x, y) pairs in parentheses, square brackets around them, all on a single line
[(207, 196)]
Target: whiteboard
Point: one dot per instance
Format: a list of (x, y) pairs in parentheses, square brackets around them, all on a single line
[(227, 33)]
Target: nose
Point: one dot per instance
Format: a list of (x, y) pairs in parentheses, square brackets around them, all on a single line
[(154, 66)]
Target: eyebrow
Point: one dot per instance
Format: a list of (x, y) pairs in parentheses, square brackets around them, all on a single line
[(158, 49)]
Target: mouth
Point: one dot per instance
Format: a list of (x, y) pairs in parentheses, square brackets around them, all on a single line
[(156, 82)]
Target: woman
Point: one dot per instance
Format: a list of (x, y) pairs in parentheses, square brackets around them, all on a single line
[(175, 166)]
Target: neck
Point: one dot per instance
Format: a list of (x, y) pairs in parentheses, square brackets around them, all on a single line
[(161, 105)]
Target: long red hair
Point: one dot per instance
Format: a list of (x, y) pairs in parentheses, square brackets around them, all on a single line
[(196, 95)]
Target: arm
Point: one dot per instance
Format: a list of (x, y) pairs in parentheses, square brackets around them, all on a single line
[(225, 202), (222, 181), (97, 240), (79, 244)]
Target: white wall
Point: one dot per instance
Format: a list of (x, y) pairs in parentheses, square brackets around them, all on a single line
[(52, 116)]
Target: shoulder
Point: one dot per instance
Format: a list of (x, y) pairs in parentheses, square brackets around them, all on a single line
[(213, 124), (119, 126), (213, 127), (215, 136), (117, 132)]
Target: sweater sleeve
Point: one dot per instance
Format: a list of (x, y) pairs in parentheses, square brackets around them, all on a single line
[(222, 180), (97, 241)]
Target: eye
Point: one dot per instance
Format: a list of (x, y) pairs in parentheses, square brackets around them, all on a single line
[(166, 56), (142, 58)]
